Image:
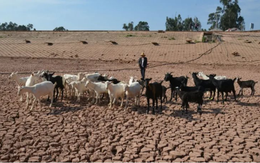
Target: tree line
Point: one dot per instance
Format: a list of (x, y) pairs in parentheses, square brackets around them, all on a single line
[(15, 27), (223, 18)]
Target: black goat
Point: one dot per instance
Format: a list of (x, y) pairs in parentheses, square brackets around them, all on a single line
[(55, 79), (193, 96), (187, 88), (206, 84), (153, 91), (164, 89), (102, 78), (113, 80), (223, 86), (175, 82), (246, 84)]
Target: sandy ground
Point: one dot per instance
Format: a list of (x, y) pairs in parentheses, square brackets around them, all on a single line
[(79, 131)]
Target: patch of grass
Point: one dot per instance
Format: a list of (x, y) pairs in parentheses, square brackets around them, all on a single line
[(204, 39), (196, 41), (164, 37), (239, 39), (146, 35), (130, 35), (171, 38)]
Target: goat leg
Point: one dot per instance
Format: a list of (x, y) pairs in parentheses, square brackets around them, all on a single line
[(161, 105), (39, 102), (57, 93), (122, 101), (171, 94), (226, 96), (214, 91), (222, 94), (51, 95), (218, 96), (33, 103), (61, 94), (176, 96), (187, 104), (234, 93), (252, 91), (210, 96), (153, 106), (148, 104)]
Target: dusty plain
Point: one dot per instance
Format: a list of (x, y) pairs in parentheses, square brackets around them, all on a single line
[(80, 131)]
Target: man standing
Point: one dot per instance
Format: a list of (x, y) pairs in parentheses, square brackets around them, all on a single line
[(143, 65)]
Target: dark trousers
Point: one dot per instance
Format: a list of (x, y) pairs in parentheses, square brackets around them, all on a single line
[(143, 73)]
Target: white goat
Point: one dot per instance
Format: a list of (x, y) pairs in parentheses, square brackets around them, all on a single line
[(205, 77), (116, 91), (133, 90), (32, 80), (19, 80), (98, 87), (68, 78), (92, 77), (79, 87), (132, 79), (38, 90)]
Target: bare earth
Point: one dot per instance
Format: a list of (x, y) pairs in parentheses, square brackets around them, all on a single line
[(73, 131)]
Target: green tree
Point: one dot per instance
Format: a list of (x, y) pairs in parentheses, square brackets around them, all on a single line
[(187, 24), (125, 27), (170, 24), (197, 24), (61, 28), (30, 27), (129, 27), (214, 18), (142, 26), (228, 16), (174, 24), (11, 26), (15, 27), (3, 26)]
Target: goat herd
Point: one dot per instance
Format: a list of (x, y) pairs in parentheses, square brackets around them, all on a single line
[(45, 83)]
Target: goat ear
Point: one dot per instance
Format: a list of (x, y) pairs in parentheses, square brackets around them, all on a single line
[(149, 79), (32, 74)]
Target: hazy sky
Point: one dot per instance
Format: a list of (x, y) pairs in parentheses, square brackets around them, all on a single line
[(112, 14)]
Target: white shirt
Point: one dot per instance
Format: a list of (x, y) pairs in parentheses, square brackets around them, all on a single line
[(142, 62)]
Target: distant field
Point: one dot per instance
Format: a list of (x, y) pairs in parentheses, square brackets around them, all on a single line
[(72, 131)]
